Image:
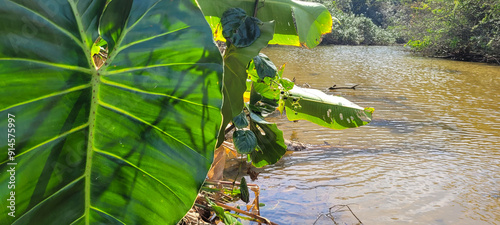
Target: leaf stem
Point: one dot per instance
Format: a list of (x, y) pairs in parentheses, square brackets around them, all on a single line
[(255, 8)]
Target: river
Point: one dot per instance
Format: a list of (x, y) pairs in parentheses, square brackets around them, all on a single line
[(431, 155)]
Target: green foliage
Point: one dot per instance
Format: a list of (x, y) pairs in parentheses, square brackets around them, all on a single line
[(458, 29), (264, 66), (266, 86), (235, 75), (128, 143), (461, 29), (240, 121), (244, 141), (245, 194), (366, 22), (357, 30), (270, 143), (310, 23), (297, 23), (240, 29), (145, 124), (325, 110), (226, 217)]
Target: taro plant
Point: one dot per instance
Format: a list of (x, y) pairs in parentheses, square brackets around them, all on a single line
[(129, 142)]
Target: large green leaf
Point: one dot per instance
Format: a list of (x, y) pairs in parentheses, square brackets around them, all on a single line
[(235, 75), (326, 110), (270, 143), (130, 143), (297, 23)]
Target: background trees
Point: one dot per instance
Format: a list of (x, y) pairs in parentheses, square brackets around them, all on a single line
[(460, 29), (463, 29)]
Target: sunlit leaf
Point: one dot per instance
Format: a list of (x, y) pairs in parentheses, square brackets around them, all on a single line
[(130, 143), (297, 23), (270, 91), (326, 110), (286, 83)]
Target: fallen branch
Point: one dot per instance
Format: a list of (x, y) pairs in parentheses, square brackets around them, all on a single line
[(337, 209), (334, 87)]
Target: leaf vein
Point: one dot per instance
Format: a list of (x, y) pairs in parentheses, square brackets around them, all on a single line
[(148, 39), (123, 112), (58, 65), (129, 88), (99, 210), (48, 197), (73, 89), (66, 32), (141, 170), (49, 141)]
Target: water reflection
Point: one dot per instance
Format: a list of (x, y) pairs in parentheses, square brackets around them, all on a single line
[(430, 156)]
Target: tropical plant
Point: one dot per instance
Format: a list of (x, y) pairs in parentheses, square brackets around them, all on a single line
[(127, 143)]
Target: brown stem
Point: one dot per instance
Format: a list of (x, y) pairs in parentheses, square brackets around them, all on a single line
[(229, 129)]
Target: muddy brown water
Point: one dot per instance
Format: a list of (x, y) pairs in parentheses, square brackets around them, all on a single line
[(431, 155)]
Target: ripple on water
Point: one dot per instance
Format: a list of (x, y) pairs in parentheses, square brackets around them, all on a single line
[(430, 156)]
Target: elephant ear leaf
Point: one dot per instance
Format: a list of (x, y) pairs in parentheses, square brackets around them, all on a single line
[(128, 143), (325, 110)]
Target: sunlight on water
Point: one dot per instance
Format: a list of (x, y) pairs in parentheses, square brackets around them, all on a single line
[(430, 156)]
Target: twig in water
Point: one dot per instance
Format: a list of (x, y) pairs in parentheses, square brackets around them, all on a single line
[(341, 206), (334, 87), (327, 215), (337, 209)]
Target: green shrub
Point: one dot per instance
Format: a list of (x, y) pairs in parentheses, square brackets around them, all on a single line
[(357, 30)]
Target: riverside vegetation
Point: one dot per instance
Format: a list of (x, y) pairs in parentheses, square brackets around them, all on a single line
[(460, 29)]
